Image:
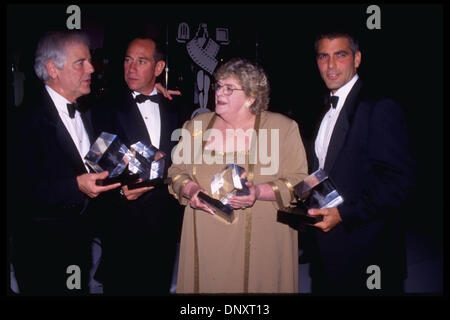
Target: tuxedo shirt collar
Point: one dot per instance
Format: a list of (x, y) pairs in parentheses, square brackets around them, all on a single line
[(343, 92), (135, 93)]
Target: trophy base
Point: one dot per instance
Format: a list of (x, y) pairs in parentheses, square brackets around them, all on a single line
[(150, 183), (299, 214), (222, 210), (123, 178)]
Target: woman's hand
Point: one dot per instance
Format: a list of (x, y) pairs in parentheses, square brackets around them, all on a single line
[(242, 202), (190, 191)]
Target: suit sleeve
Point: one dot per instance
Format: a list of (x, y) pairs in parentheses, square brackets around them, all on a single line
[(39, 187), (390, 167)]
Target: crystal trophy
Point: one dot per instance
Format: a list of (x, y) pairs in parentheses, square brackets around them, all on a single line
[(315, 191), (149, 163), (109, 153), (228, 182)]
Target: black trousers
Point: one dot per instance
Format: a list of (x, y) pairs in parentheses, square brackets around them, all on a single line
[(141, 267)]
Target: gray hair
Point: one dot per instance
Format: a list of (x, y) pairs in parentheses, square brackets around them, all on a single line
[(52, 47), (252, 78), (354, 45)]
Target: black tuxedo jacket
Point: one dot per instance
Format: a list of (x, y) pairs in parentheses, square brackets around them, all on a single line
[(48, 162), (139, 236), (50, 213), (119, 114), (369, 160), (151, 223)]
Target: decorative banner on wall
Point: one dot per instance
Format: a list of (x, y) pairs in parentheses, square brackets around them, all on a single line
[(202, 50)]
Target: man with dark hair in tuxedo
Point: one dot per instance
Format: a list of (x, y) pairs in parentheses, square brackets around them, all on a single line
[(141, 225), (363, 145)]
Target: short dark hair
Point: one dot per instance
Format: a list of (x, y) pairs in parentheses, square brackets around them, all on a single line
[(159, 53), (354, 45)]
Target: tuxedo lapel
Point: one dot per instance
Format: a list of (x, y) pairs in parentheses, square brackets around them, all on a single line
[(68, 146), (132, 123), (164, 140), (62, 135), (336, 141), (323, 111), (87, 122), (342, 126)]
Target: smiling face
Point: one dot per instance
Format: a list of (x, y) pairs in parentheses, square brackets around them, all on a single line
[(74, 79), (336, 62), (233, 104), (140, 68)]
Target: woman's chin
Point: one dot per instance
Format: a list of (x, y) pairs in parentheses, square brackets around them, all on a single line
[(220, 109)]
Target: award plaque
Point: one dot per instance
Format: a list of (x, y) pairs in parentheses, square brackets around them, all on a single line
[(315, 191), (149, 163), (228, 182), (109, 153)]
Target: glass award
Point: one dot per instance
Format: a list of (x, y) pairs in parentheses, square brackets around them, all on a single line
[(228, 182), (315, 191), (149, 163), (109, 153)]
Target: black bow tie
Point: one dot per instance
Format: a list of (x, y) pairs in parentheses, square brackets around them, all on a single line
[(334, 101), (71, 107), (141, 98)]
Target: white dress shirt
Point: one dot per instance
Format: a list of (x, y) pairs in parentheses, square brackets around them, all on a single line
[(74, 126), (150, 113), (329, 121)]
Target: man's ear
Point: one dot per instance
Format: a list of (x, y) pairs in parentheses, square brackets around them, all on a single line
[(159, 67), (52, 69), (357, 58)]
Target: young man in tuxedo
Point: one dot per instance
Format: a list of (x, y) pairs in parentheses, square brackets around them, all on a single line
[(51, 188), (141, 225), (363, 145)]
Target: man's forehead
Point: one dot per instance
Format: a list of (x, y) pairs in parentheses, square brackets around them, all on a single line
[(140, 47), (339, 43)]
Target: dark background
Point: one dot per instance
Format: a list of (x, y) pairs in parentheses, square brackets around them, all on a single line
[(403, 60)]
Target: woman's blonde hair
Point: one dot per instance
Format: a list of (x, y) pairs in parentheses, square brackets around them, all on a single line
[(252, 78)]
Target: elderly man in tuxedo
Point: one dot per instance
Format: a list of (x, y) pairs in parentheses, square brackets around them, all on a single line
[(52, 188), (362, 144), (141, 226)]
